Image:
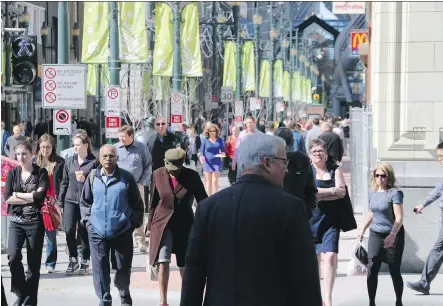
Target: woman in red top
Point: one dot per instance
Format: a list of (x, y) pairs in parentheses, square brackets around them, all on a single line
[(47, 158), (230, 148)]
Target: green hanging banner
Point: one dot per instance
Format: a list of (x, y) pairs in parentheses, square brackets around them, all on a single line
[(95, 36), (265, 78), (190, 42), (91, 79), (286, 86), (163, 47), (303, 88), (308, 91), (278, 79), (296, 86), (248, 66), (133, 37), (230, 65)]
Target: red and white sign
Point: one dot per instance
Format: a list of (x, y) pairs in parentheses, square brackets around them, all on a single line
[(238, 120), (176, 111), (62, 122), (176, 119), (64, 86), (112, 123), (238, 113), (112, 111), (346, 8), (258, 104)]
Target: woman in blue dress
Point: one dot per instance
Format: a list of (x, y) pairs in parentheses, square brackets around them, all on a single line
[(211, 153), (325, 220)]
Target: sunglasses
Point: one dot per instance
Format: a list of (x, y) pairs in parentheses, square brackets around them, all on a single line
[(162, 123), (380, 175)]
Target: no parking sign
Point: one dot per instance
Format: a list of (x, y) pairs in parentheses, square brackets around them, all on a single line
[(62, 122)]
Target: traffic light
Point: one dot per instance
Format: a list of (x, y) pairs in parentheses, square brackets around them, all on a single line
[(24, 59)]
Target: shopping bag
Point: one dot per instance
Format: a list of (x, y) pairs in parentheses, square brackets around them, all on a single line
[(355, 266), (51, 215)]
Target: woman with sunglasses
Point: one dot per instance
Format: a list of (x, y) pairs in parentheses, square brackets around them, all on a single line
[(211, 153), (75, 172), (387, 234), (325, 220), (25, 190), (47, 158)]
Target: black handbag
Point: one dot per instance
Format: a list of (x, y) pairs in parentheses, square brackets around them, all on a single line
[(361, 254), (347, 219)]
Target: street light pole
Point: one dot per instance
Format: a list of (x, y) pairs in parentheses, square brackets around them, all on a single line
[(257, 19), (7, 67), (270, 106), (114, 56), (176, 75), (236, 14), (63, 54)]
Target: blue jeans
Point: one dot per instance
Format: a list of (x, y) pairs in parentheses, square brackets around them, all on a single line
[(51, 248)]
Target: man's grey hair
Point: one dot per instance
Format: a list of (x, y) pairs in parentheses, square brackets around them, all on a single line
[(108, 146), (255, 147)]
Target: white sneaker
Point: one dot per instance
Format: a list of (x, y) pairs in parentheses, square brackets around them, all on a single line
[(50, 270), (142, 248)]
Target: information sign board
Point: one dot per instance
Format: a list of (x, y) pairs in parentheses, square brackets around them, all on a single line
[(64, 86)]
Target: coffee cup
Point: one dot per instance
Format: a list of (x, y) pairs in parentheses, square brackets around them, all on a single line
[(79, 175)]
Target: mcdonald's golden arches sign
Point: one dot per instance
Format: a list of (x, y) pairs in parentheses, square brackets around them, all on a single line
[(358, 38)]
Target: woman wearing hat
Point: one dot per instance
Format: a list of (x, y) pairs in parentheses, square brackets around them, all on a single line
[(171, 215)]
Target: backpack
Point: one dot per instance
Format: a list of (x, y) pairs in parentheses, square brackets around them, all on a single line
[(91, 177)]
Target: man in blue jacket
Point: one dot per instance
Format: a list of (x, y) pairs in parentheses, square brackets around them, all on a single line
[(111, 208)]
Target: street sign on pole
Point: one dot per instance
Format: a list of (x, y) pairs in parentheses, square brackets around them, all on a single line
[(252, 104), (176, 111), (64, 86), (227, 95), (112, 111), (62, 122), (238, 113), (258, 104)]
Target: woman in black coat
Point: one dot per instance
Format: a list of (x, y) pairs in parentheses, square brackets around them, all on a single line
[(25, 191), (299, 180), (47, 158)]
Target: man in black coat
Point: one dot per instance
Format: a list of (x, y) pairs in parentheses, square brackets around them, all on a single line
[(251, 243), (160, 142), (333, 143), (299, 179)]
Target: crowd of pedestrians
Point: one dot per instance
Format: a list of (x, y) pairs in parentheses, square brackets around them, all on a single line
[(288, 199)]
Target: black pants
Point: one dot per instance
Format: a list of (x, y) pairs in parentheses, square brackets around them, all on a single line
[(232, 175), (4, 301), (100, 248), (33, 234), (392, 256), (71, 220)]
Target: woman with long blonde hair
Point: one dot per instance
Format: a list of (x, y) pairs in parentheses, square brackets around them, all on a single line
[(211, 153), (47, 158), (387, 234)]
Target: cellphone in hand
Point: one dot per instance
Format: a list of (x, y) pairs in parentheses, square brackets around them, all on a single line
[(415, 210)]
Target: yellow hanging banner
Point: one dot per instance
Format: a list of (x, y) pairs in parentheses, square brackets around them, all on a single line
[(133, 37), (95, 36), (190, 42), (286, 86), (278, 79), (265, 78), (230, 65), (163, 47), (248, 67)]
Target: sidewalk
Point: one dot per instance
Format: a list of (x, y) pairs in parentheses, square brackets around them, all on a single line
[(56, 289)]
